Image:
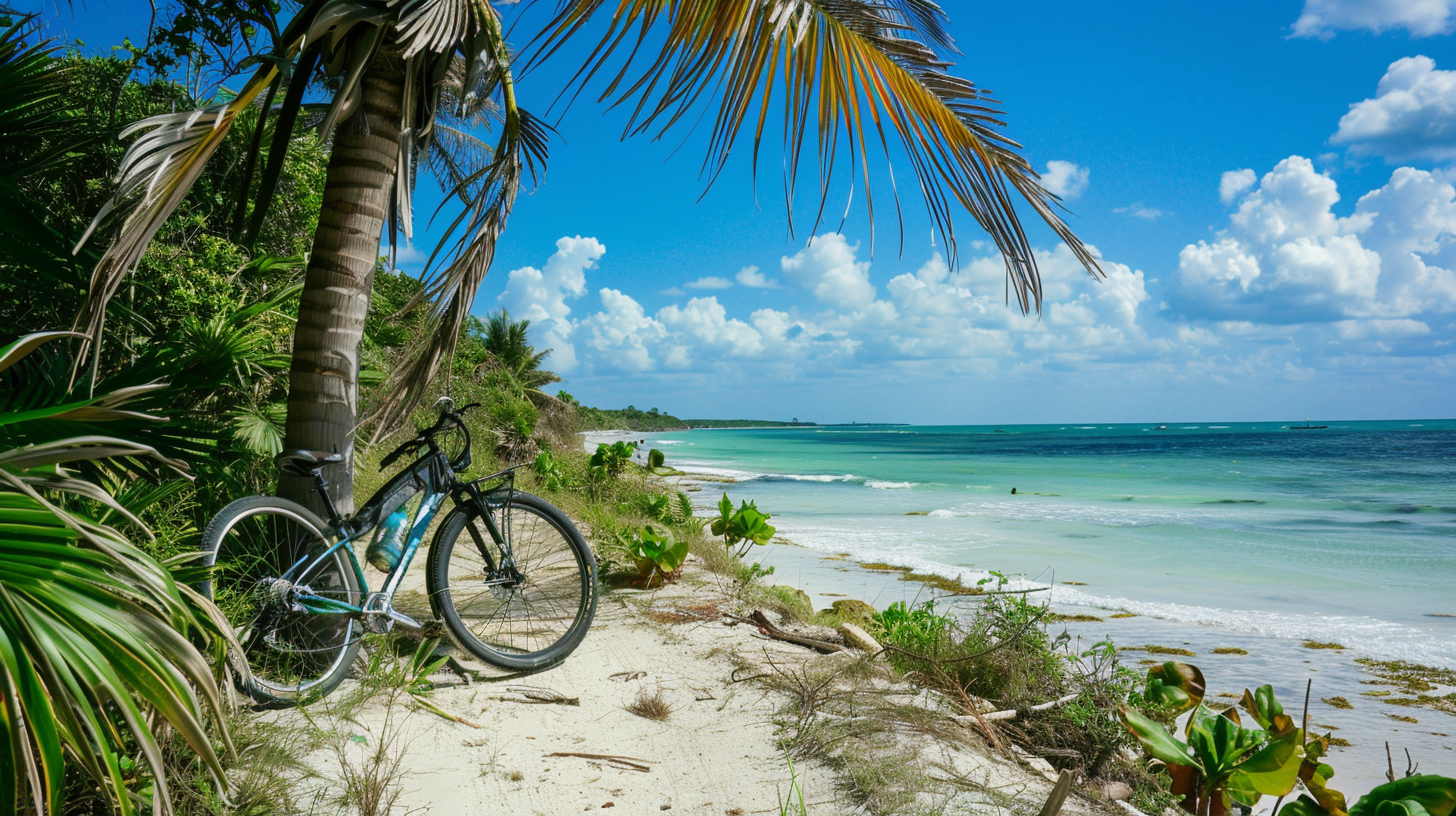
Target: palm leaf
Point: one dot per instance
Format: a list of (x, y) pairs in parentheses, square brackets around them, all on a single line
[(833, 68), (468, 244), (157, 171), (93, 632)]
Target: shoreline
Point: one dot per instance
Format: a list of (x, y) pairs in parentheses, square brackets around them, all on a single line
[(1285, 663)]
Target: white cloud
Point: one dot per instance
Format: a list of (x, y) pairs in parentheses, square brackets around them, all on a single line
[(710, 283), (752, 278), (622, 332), (540, 295), (1413, 115), (409, 259), (705, 321), (1287, 258), (827, 267), (1065, 179), (1235, 182), (1139, 211), (1423, 18)]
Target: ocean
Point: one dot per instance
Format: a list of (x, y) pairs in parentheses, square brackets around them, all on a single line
[(1246, 534)]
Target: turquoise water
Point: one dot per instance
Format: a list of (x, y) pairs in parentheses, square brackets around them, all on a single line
[(1346, 534)]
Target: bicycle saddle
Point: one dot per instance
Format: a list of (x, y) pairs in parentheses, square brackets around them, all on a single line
[(305, 462)]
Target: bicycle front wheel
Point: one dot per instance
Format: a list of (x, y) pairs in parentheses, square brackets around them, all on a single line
[(523, 603), (271, 582)]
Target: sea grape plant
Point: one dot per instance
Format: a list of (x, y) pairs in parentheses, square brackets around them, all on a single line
[(1419, 795), (610, 460), (656, 552), (550, 470), (742, 528), (1219, 759)]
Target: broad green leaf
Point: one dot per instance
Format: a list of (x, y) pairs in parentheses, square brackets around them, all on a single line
[(1180, 686), (1261, 704), (1156, 740), (1433, 794), (1272, 771), (1303, 806)]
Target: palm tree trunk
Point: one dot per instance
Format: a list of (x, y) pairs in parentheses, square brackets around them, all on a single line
[(323, 386)]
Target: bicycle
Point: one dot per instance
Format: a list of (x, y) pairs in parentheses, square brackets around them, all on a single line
[(519, 593)]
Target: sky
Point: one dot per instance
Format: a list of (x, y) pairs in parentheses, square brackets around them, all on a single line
[(1268, 185)]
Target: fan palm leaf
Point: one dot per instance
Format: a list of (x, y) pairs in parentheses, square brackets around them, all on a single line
[(94, 634), (851, 69)]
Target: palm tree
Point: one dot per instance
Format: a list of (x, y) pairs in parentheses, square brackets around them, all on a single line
[(408, 76), (507, 341)]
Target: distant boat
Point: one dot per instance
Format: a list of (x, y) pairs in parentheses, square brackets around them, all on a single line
[(1307, 427), (1161, 428)]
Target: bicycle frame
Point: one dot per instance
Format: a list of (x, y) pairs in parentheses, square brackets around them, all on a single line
[(380, 603)]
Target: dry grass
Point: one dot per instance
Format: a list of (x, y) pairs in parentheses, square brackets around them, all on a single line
[(650, 705), (370, 772)]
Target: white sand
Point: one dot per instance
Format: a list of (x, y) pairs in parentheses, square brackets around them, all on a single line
[(717, 753)]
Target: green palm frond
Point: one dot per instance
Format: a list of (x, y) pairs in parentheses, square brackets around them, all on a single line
[(832, 69), (35, 133), (94, 634), (259, 428)]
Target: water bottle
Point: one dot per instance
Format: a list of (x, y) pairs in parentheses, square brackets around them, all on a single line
[(384, 553)]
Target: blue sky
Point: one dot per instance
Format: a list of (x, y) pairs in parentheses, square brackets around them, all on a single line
[(1269, 186)]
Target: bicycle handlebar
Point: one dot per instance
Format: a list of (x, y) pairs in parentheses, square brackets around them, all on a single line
[(448, 414)]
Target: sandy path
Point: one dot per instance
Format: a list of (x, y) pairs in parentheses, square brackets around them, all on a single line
[(717, 753)]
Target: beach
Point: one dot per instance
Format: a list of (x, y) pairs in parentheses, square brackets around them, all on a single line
[(1226, 537)]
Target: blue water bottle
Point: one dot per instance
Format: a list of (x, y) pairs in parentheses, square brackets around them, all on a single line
[(384, 553)]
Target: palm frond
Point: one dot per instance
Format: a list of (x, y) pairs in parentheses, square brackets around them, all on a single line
[(850, 69), (156, 173), (259, 428), (94, 634), (468, 244)]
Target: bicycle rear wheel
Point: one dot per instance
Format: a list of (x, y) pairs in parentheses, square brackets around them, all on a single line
[(527, 618), (265, 554)]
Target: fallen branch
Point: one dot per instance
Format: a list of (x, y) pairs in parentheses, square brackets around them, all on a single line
[(434, 709), (996, 592), (1011, 713), (539, 696), (628, 763), (764, 625)]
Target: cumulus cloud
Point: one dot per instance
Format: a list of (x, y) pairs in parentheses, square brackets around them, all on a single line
[(1422, 18), (1235, 182), (752, 278), (1139, 211), (540, 295), (1412, 117), (712, 282), (828, 268), (929, 314), (1065, 179), (1287, 258)]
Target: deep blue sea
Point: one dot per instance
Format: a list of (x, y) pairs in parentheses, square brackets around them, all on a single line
[(1345, 534)]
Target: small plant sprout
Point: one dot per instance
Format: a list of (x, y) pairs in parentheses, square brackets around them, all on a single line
[(742, 528)]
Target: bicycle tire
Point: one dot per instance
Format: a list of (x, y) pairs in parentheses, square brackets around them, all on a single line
[(291, 657), (534, 624)]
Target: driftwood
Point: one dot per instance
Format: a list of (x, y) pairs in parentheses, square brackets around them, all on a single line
[(1011, 713), (1059, 795), (997, 592), (768, 628), (539, 696), (628, 763)]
